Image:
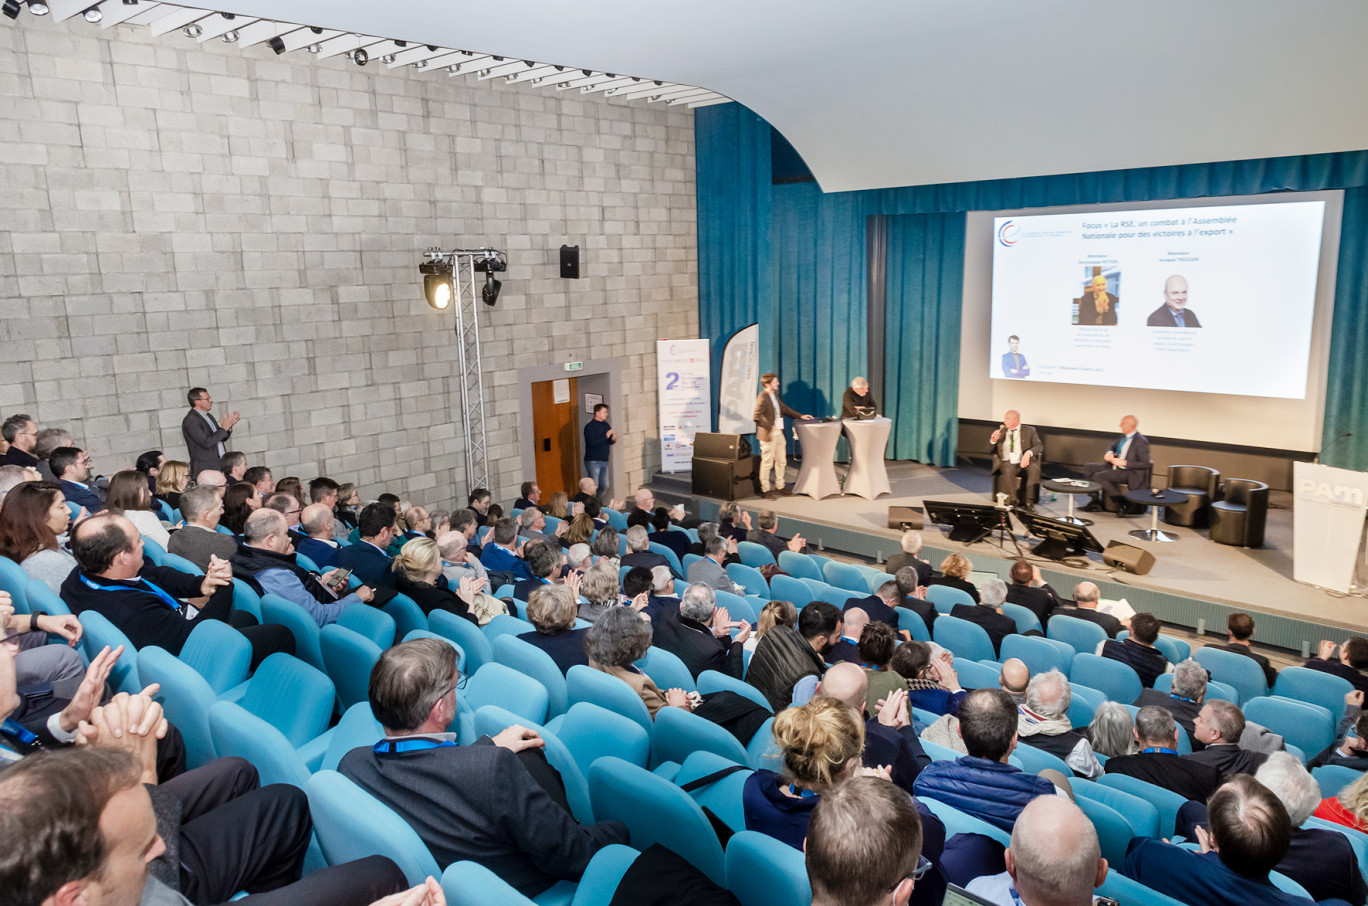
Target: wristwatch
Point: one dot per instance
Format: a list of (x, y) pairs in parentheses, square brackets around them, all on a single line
[(33, 619)]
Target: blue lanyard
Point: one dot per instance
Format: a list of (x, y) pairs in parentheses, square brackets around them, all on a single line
[(400, 746), (18, 731), (1157, 749), (170, 601), (1190, 701), (801, 793)]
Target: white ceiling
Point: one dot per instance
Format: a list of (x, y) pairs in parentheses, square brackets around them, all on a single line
[(878, 93)]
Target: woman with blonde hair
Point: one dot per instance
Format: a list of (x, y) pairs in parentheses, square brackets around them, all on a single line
[(416, 569), (955, 571), (129, 497), (558, 505), (172, 478), (580, 531), (1349, 808), (821, 744), (775, 613), (600, 590)]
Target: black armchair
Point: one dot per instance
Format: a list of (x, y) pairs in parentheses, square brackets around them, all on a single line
[(1239, 519), (1201, 486)]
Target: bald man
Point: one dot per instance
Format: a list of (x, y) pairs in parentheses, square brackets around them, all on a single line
[(1097, 306), (320, 527), (847, 648), (1017, 449), (1055, 859), (1125, 467), (890, 740), (1174, 312), (1014, 679)]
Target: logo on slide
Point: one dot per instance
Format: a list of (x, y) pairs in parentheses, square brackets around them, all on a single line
[(1008, 233)]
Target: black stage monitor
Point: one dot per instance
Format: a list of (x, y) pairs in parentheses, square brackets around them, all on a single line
[(1061, 538), (971, 521)]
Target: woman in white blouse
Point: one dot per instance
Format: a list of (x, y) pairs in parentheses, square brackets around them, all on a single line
[(129, 497)]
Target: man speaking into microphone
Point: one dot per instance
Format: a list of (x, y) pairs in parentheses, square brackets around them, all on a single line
[(1017, 448)]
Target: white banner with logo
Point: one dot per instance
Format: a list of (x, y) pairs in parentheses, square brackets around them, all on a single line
[(1327, 524), (684, 392), (739, 382)]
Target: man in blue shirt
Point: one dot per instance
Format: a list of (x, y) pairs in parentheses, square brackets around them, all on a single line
[(1014, 365), (598, 437), (266, 559), (503, 554)]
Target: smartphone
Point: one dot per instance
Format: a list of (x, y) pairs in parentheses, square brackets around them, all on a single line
[(339, 581)]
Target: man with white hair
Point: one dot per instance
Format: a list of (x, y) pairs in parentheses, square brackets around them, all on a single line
[(1043, 722), (1219, 726), (988, 613), (1085, 600), (1158, 761), (847, 647), (50, 439), (639, 551), (858, 401), (457, 562), (699, 633), (532, 523), (11, 476), (710, 570), (1321, 860), (1184, 700), (911, 545), (1055, 859), (579, 557)]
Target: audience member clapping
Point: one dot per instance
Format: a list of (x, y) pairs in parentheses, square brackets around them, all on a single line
[(417, 570)]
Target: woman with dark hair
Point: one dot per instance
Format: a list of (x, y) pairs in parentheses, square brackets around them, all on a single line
[(149, 464), (238, 503), (932, 683), (348, 499), (128, 497), (33, 515)]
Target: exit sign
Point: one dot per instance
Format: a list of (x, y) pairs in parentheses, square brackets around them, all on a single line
[(574, 366)]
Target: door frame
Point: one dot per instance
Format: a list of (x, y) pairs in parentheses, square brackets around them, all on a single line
[(527, 442)]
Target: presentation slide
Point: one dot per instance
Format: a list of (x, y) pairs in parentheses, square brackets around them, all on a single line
[(1217, 300)]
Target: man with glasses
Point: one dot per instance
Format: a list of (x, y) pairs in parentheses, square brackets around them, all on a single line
[(496, 802), (71, 468), (204, 436), (212, 478), (21, 433), (288, 506), (864, 845)]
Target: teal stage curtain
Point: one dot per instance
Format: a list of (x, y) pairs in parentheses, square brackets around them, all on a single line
[(790, 256), (925, 254)]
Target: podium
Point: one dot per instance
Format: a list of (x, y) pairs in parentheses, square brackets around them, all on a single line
[(817, 475), (1327, 524)]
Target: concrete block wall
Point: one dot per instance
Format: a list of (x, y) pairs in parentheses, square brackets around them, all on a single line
[(178, 214)]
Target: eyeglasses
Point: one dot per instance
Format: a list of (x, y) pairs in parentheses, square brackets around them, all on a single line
[(923, 866)]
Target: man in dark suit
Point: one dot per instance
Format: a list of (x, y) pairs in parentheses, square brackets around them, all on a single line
[(1017, 448), (908, 584), (1127, 465), (639, 551), (1030, 590), (1219, 726), (879, 606), (988, 613), (71, 468), (205, 437), (678, 542), (858, 400), (1350, 664), (1185, 699), (1239, 630), (911, 545), (1097, 306), (766, 525), (699, 634), (1158, 761), (769, 415), (1086, 598), (1138, 650), (367, 558), (199, 539), (1174, 312), (320, 526), (21, 433)]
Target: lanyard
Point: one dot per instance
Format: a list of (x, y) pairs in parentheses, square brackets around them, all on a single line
[(801, 793), (1157, 750), (170, 601), (18, 731), (400, 746), (1190, 701)]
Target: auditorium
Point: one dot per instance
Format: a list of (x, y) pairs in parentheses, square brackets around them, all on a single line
[(593, 454)]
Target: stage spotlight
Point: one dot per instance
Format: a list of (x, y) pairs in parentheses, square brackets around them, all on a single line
[(360, 57), (38, 7), (93, 14), (12, 8), (277, 45), (231, 36), (437, 288), (490, 293), (193, 30), (315, 48)]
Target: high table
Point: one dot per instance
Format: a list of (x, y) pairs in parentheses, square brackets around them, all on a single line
[(1156, 501), (868, 476), (1071, 487), (817, 475)]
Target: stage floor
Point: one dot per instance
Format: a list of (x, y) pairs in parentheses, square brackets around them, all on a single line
[(1192, 566)]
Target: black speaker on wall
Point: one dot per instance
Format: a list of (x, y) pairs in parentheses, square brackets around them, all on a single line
[(570, 262)]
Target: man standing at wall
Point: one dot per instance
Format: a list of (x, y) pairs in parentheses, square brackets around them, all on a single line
[(598, 437), (203, 435), (770, 412)]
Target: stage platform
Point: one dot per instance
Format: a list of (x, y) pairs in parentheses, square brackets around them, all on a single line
[(1195, 583)]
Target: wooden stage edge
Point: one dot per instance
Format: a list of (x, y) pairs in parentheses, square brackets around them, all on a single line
[(1195, 583)]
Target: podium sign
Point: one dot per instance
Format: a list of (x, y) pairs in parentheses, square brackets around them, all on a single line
[(1327, 524)]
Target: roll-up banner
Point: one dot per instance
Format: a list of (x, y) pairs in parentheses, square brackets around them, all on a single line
[(685, 399), (739, 382)]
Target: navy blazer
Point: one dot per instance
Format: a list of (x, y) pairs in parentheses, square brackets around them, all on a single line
[(566, 647), (1198, 877), (321, 553), (86, 497), (368, 562), (879, 612)]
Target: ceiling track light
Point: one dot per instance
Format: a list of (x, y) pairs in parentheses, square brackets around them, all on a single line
[(38, 7), (387, 59), (93, 14), (192, 30), (421, 64), (454, 68), (277, 44), (360, 57), (12, 9), (231, 36), (315, 48)]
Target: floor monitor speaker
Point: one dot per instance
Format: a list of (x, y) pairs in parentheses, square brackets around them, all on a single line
[(905, 517), (721, 446), (725, 479), (1129, 557)]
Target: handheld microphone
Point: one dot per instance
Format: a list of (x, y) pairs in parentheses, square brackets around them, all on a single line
[(1331, 445)]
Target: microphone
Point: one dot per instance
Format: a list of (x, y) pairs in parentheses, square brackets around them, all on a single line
[(1331, 445)]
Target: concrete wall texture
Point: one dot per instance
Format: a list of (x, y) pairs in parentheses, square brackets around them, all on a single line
[(178, 214)]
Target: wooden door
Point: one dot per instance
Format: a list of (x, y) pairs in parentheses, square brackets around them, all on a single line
[(556, 438)]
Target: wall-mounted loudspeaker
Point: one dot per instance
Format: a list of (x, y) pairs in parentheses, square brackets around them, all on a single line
[(1130, 558), (569, 260)]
